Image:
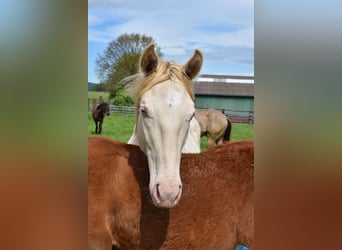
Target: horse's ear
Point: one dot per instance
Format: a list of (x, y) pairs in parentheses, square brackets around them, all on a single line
[(149, 60), (194, 65)]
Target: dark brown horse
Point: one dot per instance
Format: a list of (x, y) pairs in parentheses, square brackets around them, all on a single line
[(216, 210), (99, 113), (215, 125)]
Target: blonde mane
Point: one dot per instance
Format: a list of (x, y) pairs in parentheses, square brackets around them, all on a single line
[(140, 84)]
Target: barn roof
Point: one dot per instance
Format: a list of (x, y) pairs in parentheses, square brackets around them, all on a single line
[(219, 85)]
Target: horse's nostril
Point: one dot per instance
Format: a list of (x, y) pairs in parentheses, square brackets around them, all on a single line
[(157, 187), (180, 186)]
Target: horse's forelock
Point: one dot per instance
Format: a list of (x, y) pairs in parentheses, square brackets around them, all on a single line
[(139, 84), (165, 71)]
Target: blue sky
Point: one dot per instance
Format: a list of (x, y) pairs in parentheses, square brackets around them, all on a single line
[(222, 29)]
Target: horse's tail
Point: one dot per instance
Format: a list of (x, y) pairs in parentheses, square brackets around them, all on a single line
[(226, 136)]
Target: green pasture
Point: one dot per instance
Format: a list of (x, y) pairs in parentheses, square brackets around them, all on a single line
[(120, 126), (97, 94)]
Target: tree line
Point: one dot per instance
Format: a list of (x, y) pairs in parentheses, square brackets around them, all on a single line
[(119, 60)]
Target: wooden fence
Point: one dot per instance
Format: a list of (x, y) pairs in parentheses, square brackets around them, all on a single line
[(235, 115), (242, 119), (248, 118), (122, 109), (113, 108)]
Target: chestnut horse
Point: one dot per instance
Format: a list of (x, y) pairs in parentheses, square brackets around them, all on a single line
[(215, 125), (99, 113), (164, 100), (216, 210)]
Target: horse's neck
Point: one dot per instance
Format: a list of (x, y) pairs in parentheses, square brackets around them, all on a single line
[(101, 110), (192, 143), (134, 138), (100, 106)]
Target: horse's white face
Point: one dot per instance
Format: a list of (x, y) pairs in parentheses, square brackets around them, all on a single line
[(165, 113)]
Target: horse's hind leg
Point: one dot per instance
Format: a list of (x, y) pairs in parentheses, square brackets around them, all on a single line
[(219, 139), (96, 128), (210, 142)]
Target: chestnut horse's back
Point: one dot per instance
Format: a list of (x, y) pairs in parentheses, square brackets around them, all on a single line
[(216, 210), (110, 178)]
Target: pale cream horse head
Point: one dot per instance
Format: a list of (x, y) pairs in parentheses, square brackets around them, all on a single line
[(165, 126)]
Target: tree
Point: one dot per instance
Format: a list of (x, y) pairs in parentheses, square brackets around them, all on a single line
[(99, 87), (121, 59)]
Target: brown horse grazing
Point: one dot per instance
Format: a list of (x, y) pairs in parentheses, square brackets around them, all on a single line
[(215, 125), (99, 113), (216, 210)]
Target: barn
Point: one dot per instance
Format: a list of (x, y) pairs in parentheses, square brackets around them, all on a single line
[(233, 95)]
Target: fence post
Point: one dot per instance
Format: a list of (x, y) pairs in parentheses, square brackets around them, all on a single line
[(250, 117)]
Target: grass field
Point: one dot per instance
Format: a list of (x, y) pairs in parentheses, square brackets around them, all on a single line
[(97, 94), (120, 126)]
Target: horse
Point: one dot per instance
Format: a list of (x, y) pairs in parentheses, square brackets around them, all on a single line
[(164, 101), (215, 125), (216, 210), (99, 113)]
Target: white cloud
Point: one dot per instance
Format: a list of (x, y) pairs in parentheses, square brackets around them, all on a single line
[(174, 25), (94, 20), (173, 51), (223, 30), (239, 38)]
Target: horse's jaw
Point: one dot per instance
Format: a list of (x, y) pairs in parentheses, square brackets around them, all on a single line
[(134, 138)]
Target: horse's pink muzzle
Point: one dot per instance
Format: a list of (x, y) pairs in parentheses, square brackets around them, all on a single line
[(166, 195)]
